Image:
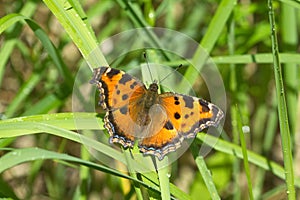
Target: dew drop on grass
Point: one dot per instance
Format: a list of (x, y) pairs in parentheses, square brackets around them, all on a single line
[(246, 129)]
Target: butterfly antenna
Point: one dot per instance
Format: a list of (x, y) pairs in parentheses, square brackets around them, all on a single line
[(146, 59), (171, 73)]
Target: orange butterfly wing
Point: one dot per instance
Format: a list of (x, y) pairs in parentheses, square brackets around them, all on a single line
[(186, 116), (117, 89), (160, 129)]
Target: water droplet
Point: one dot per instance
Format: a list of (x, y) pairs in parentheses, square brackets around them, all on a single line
[(246, 129)]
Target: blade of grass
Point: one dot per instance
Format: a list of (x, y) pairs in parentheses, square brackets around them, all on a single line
[(44, 105), (8, 45), (19, 156), (26, 125), (259, 58), (136, 16), (162, 172), (208, 41), (54, 124), (270, 132), (4, 142), (245, 155), (282, 110), (290, 70), (85, 174), (234, 91), (99, 10), (295, 4), (10, 20), (24, 92), (274, 193), (53, 53), (163, 175), (78, 28), (6, 192), (205, 173), (133, 174), (233, 149)]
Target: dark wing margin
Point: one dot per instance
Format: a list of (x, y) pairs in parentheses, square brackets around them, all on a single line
[(186, 117)]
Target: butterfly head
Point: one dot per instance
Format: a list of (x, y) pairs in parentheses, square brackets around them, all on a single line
[(153, 87)]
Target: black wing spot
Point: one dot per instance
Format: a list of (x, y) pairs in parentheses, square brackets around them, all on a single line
[(125, 78), (133, 85), (169, 126), (188, 101), (124, 110), (177, 115), (177, 102), (112, 72), (204, 105), (124, 97)]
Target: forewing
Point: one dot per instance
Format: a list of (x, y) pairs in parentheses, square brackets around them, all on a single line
[(119, 93)]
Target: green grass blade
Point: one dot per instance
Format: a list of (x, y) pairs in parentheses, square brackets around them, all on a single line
[(50, 123), (270, 133), (26, 125), (6, 192), (10, 20), (44, 105), (233, 86), (85, 174), (5, 53), (78, 28), (205, 173), (19, 156), (163, 176), (8, 45), (34, 80), (235, 150), (282, 110), (259, 58), (137, 187), (216, 25), (133, 12), (53, 53), (245, 156), (292, 3), (23, 93), (290, 70)]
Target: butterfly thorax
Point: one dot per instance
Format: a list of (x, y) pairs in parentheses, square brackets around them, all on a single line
[(145, 104), (151, 96)]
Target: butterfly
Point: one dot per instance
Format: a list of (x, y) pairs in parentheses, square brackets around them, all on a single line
[(158, 122)]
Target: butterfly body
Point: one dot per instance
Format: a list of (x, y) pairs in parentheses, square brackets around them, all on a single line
[(159, 122)]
